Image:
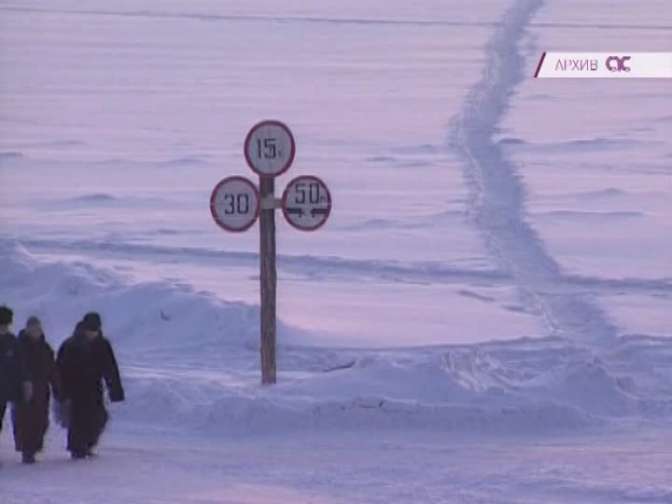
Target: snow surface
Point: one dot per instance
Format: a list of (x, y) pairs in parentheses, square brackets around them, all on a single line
[(484, 319)]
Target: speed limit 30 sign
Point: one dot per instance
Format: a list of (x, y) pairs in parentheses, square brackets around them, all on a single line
[(234, 204), (306, 203)]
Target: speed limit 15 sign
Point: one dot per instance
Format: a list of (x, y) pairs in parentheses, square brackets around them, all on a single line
[(234, 204), (270, 148), (306, 203)]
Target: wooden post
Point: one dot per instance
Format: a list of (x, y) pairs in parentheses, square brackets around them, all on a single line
[(268, 279)]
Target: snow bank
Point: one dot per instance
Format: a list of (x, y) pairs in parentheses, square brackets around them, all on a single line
[(190, 360), (137, 317)]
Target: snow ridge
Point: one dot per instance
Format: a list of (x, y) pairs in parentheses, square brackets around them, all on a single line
[(497, 195), (190, 361)]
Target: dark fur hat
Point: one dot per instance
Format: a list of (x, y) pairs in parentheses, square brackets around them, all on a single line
[(6, 315), (92, 321)]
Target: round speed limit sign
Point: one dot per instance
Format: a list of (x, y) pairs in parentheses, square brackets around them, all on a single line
[(234, 204), (270, 148), (306, 203)]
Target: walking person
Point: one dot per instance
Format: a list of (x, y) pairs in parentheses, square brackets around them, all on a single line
[(9, 366), (31, 411), (85, 361)]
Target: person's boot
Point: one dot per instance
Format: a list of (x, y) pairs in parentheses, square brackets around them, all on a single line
[(28, 458), (78, 455)]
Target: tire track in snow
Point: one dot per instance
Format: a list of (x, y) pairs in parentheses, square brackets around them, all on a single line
[(497, 194), (203, 16), (329, 267)]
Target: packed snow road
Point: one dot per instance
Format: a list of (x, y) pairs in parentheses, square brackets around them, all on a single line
[(150, 467)]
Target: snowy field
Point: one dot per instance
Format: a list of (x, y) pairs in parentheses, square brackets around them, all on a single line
[(486, 316)]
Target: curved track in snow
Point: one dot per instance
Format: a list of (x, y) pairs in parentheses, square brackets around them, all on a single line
[(325, 267), (497, 194)]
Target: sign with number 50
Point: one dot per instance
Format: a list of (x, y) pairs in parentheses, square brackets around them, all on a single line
[(306, 203)]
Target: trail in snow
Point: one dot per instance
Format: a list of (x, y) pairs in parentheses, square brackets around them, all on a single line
[(251, 18), (316, 267), (497, 194)]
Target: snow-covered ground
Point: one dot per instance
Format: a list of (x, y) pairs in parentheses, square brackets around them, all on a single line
[(344, 468), (484, 319)]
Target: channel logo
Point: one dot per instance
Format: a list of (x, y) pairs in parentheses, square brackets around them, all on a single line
[(616, 64), (562, 65)]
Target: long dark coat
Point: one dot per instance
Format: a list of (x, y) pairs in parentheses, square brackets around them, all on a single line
[(9, 372), (31, 419), (83, 365)]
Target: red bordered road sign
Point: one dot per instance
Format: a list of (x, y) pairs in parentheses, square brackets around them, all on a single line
[(270, 148), (234, 204), (306, 203)]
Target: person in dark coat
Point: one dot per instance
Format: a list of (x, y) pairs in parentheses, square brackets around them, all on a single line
[(31, 413), (85, 361), (10, 373)]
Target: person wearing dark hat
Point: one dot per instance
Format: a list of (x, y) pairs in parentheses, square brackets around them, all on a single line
[(10, 372), (31, 413), (86, 361)]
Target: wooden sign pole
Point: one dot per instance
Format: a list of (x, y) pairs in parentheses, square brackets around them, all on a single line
[(269, 150), (268, 279)]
